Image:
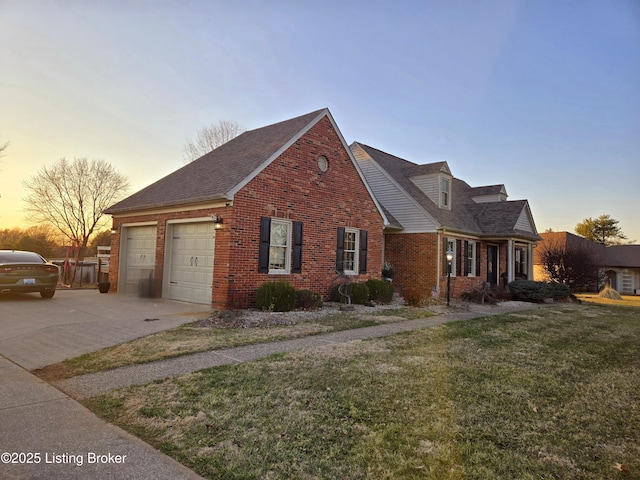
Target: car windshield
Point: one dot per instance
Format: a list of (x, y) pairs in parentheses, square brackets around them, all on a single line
[(20, 257)]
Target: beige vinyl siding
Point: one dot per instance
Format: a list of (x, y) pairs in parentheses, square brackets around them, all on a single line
[(524, 222), (410, 215), (430, 185)]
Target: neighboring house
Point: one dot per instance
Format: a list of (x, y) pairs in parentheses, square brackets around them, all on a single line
[(622, 268), (286, 201), (620, 264), (431, 212)]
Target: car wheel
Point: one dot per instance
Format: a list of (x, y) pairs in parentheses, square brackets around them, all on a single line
[(47, 293)]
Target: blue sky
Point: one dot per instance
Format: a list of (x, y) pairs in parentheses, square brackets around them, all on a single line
[(541, 95)]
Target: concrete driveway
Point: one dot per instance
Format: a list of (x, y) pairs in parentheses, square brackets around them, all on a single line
[(43, 432), (35, 332)]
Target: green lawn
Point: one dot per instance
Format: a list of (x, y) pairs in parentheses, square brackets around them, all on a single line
[(552, 393)]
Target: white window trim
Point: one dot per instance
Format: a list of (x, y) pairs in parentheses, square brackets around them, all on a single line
[(441, 191), (472, 270), (356, 251), (287, 253)]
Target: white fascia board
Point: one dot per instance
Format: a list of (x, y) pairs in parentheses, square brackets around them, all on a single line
[(230, 194)]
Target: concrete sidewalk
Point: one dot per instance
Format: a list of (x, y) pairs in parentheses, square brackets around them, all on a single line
[(44, 434), (90, 385)]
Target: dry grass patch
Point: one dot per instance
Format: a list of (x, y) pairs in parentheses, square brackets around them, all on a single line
[(225, 329), (555, 395)]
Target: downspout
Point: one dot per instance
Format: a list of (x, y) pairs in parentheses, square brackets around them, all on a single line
[(510, 264)]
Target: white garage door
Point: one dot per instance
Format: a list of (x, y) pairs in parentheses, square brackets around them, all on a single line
[(140, 256), (191, 264)]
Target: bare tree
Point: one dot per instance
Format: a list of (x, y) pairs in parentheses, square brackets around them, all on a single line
[(72, 196), (572, 265), (211, 137)]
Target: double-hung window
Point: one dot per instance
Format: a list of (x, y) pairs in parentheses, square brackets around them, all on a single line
[(351, 255), (470, 258), (280, 246), (445, 192), (350, 251)]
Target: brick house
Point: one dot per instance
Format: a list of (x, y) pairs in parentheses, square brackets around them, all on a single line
[(430, 212), (286, 201)]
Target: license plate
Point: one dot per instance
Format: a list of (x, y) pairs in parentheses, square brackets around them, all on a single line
[(28, 281)]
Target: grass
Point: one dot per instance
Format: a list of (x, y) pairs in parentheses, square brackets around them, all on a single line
[(190, 338), (547, 394), (627, 300)]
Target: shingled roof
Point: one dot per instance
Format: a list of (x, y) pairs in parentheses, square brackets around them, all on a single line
[(220, 173), (623, 256), (490, 219)]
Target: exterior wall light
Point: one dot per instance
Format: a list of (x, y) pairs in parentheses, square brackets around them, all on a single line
[(217, 221)]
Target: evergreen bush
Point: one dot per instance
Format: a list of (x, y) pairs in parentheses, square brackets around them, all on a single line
[(279, 296), (359, 293), (308, 300), (380, 291), (531, 291)]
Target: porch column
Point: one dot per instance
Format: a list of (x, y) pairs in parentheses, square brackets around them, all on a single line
[(530, 261), (510, 265)]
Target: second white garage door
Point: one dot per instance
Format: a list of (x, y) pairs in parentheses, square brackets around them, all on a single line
[(191, 263)]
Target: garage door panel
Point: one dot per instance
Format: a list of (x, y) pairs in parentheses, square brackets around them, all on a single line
[(140, 248), (191, 263)]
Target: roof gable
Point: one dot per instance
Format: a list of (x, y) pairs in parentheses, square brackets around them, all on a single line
[(221, 173), (489, 218)]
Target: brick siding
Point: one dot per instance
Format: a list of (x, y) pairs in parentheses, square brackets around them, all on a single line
[(291, 187)]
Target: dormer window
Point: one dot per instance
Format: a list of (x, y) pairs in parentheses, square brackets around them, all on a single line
[(445, 192)]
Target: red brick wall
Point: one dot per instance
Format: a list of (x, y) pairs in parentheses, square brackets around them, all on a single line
[(291, 187), (414, 257)]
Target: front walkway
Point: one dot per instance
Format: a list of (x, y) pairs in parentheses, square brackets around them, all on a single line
[(90, 385)]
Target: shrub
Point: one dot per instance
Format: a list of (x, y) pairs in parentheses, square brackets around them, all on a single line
[(359, 293), (530, 291), (380, 291), (480, 295), (414, 297), (308, 300), (277, 296)]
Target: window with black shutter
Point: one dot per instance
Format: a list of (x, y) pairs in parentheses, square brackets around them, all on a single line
[(280, 246)]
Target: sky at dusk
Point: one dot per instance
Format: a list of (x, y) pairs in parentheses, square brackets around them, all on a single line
[(541, 95)]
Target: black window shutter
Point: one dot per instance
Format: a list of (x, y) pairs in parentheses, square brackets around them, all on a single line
[(466, 258), (363, 251), (340, 250), (296, 263), (477, 259), (265, 238), (458, 257)]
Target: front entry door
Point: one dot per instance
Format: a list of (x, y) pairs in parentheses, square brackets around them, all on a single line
[(492, 264)]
